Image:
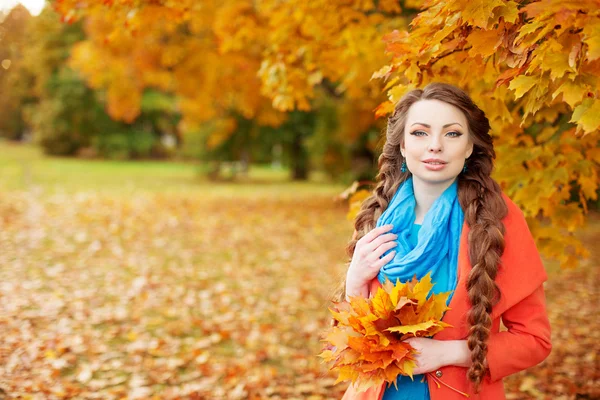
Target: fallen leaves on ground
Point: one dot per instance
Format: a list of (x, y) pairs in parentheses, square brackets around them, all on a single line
[(192, 296), (171, 296)]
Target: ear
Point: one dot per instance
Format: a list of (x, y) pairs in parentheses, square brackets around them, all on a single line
[(402, 149)]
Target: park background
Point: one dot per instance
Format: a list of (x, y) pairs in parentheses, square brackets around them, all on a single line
[(176, 181)]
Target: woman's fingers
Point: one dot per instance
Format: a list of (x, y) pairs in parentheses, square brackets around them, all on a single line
[(374, 233), (381, 240), (382, 261), (367, 261), (378, 252)]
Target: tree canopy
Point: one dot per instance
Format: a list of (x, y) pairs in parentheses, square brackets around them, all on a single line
[(532, 66)]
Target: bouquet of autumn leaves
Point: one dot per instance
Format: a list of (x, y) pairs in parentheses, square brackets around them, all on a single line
[(367, 345)]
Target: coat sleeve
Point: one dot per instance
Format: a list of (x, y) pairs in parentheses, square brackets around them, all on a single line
[(526, 342), (522, 304)]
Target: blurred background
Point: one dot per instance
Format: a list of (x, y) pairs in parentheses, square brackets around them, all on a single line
[(178, 181)]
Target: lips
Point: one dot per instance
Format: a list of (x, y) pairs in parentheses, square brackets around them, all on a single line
[(434, 162)]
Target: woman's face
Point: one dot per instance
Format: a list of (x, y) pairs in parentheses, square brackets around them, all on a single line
[(436, 130)]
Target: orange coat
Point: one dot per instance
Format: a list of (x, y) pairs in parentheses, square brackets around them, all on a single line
[(522, 308)]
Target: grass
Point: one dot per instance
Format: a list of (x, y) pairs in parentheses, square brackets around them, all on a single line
[(24, 166)]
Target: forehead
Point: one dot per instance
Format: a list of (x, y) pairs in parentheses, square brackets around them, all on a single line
[(435, 113)]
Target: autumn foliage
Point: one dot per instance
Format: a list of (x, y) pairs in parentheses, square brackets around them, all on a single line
[(367, 345), (533, 67), (222, 58)]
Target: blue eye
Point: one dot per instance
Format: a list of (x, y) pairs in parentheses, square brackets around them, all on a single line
[(423, 133)]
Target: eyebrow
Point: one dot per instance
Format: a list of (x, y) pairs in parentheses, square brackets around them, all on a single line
[(429, 126)]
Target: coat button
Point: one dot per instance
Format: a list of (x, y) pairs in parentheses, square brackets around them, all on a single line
[(438, 373)]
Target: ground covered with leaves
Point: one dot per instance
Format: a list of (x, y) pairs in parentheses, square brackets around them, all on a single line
[(202, 294)]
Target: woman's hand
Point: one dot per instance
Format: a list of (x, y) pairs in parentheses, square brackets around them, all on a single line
[(434, 354), (366, 261), (430, 355)]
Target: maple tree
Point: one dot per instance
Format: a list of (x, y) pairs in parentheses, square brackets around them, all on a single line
[(294, 47), (256, 60), (14, 79), (61, 112), (178, 55), (534, 68), (46, 101)]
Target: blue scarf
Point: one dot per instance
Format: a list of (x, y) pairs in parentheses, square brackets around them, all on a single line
[(438, 238)]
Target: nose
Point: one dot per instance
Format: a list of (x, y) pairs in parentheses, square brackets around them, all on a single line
[(435, 145)]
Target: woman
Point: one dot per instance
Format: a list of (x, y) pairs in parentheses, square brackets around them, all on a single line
[(436, 209)]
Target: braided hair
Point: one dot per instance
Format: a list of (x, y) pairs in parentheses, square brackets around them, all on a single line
[(480, 198)]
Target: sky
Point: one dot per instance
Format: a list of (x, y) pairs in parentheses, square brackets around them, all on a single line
[(34, 6)]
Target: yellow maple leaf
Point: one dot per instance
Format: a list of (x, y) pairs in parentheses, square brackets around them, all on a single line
[(422, 288), (522, 84), (382, 304), (423, 326), (592, 39), (590, 118), (484, 42), (572, 93), (478, 12)]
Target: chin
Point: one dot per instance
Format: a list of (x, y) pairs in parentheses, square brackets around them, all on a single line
[(434, 177)]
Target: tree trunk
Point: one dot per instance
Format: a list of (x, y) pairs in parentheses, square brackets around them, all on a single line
[(299, 158)]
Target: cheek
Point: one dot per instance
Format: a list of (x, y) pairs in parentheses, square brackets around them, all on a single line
[(459, 150), (413, 147), (466, 146)]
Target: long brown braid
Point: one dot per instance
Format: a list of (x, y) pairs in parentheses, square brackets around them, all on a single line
[(479, 196)]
